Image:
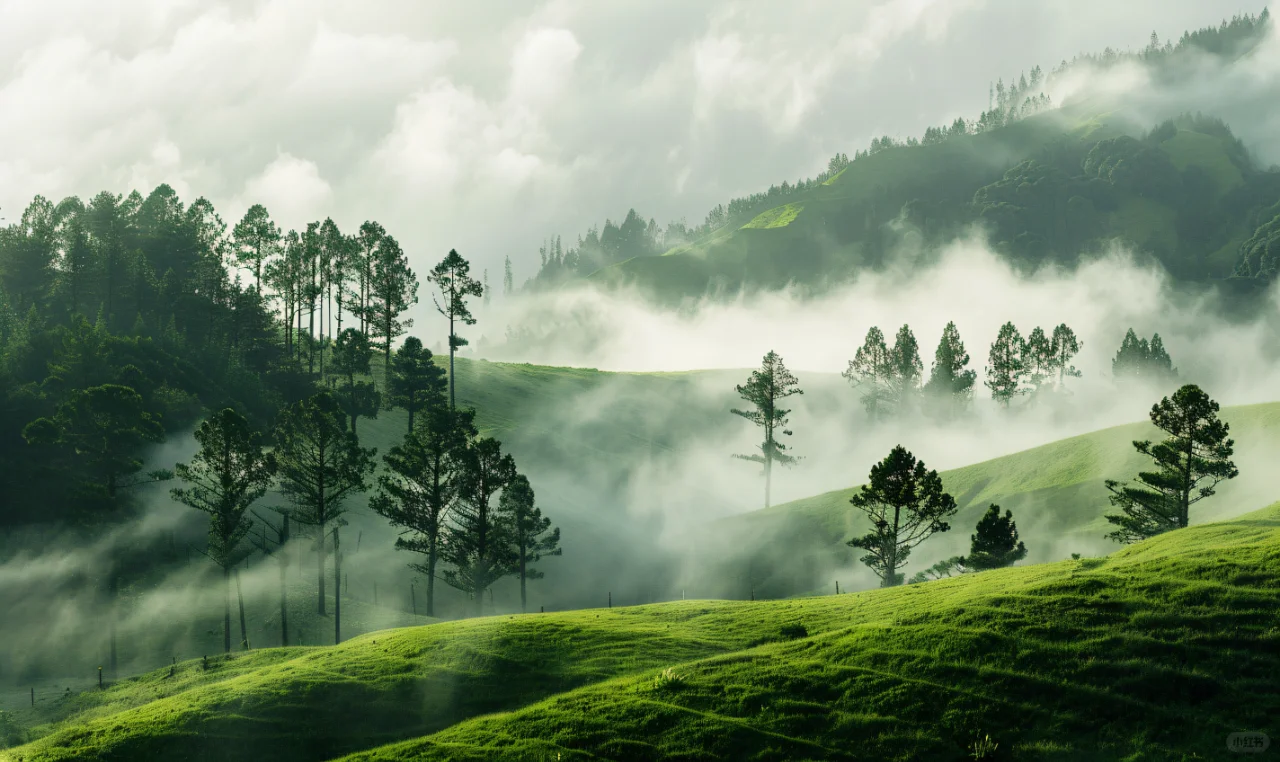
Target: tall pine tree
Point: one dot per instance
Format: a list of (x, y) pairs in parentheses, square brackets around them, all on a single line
[(532, 534), (480, 545), (1006, 369), (950, 385), (764, 389), (871, 372), (453, 277)]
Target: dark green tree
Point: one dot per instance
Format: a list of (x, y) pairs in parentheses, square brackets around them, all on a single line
[(533, 536), (321, 464), (950, 385), (351, 357), (906, 505), (480, 546), (906, 370), (871, 372), (393, 289), (29, 254), (764, 389), (104, 426), (416, 383), (995, 542), (452, 277), (1189, 464), (1007, 370), (422, 485), (228, 474), (257, 239), (1038, 358), (1065, 347)]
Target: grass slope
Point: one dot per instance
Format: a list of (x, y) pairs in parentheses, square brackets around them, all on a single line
[(1157, 652), (1055, 490)]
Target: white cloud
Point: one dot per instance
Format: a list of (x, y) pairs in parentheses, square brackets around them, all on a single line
[(292, 190)]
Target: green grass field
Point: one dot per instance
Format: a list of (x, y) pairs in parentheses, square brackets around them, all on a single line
[(1158, 651), (1055, 492)]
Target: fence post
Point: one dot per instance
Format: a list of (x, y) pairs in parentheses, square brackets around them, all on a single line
[(33, 695), (837, 587), (610, 599), (99, 678)]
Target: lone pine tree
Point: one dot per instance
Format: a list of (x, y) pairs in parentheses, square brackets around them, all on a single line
[(1189, 464), (994, 543), (224, 478), (906, 505), (764, 389), (452, 276)]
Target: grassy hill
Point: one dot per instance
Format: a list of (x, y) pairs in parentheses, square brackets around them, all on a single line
[(1055, 491), (1155, 652)]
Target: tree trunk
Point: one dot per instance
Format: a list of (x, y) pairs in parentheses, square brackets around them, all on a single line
[(226, 609), (111, 617), (320, 551), (244, 632), (284, 609), (768, 478), (523, 598), (337, 589), (411, 406), (452, 340), (431, 580)]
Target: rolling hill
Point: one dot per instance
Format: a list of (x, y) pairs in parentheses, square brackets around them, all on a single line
[(1158, 651), (1055, 492)]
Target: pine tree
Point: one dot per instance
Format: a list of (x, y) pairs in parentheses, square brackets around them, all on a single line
[(764, 389), (256, 238), (1006, 370), (995, 542), (351, 357), (452, 276), (366, 260), (532, 534), (1190, 463), (422, 485), (950, 384), (508, 282), (871, 372), (417, 383), (906, 505), (1038, 359), (1139, 359), (906, 370), (228, 474), (1065, 347), (395, 288), (488, 295), (321, 464), (480, 547)]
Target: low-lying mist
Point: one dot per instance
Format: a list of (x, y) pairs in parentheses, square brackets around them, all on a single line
[(637, 470)]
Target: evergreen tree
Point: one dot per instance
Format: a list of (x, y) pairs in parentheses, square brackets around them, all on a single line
[(395, 288), (508, 282), (1038, 358), (950, 383), (104, 426), (1139, 359), (1190, 463), (28, 255), (351, 357), (366, 259), (871, 372), (422, 485), (906, 505), (1065, 347), (228, 474), (321, 464), (257, 238), (480, 546), (906, 370), (488, 294), (995, 542), (764, 389), (417, 383), (452, 277), (532, 533), (1007, 369)]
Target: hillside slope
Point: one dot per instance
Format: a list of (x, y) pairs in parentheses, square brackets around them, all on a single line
[(1156, 652), (1048, 188), (1054, 491)]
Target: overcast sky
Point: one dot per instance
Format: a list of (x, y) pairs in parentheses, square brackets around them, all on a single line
[(475, 126)]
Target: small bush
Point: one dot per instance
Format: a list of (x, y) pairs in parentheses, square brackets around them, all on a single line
[(794, 631), (668, 680)]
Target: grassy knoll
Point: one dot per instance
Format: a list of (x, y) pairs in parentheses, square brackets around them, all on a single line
[(1156, 652)]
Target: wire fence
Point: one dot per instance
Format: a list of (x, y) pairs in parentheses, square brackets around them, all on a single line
[(43, 693)]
